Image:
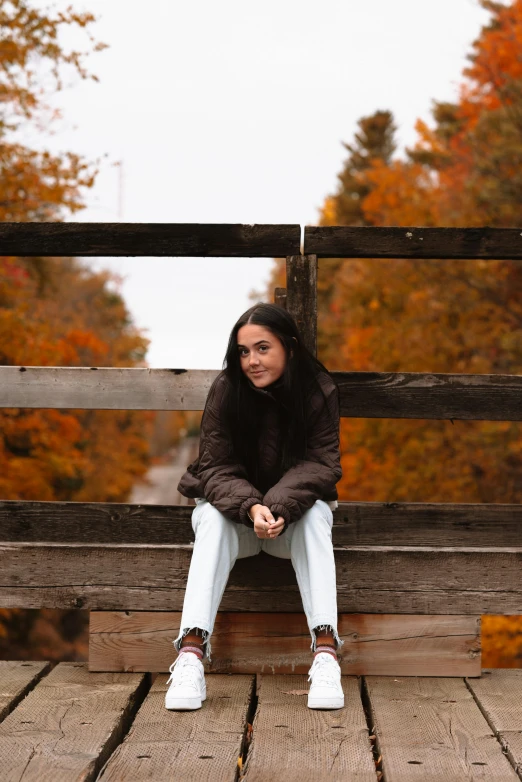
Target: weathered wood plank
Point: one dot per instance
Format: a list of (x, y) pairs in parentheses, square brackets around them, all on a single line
[(498, 695), (191, 746), (362, 394), (423, 395), (105, 388), (383, 644), (67, 727), (301, 296), (369, 580), (298, 744), (149, 239), (471, 525), (383, 242), (16, 679), (262, 240), (432, 729)]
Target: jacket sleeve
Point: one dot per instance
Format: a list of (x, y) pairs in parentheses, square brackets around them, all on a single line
[(311, 478), (222, 477)]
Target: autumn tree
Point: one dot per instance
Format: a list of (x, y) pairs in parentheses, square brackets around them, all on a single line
[(439, 316), (373, 140), (37, 185), (56, 311)]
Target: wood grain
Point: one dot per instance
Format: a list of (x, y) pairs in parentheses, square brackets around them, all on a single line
[(430, 728), (488, 525), (362, 394), (67, 727), (149, 239), (16, 679), (498, 695), (263, 240), (294, 743), (190, 746), (429, 395), (417, 242), (384, 644), (105, 388), (301, 296), (375, 579)]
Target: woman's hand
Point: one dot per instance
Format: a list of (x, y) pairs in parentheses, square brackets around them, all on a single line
[(265, 526)]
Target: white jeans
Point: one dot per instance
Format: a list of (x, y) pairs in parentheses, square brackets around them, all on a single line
[(219, 542)]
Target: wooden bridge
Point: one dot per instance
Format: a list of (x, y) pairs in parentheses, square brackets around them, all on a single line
[(77, 725), (413, 578)]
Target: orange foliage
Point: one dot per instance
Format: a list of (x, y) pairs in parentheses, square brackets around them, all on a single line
[(501, 642), (55, 312), (400, 194), (60, 314), (45, 634), (37, 185)]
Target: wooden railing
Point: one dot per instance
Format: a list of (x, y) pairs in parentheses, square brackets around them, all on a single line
[(405, 570)]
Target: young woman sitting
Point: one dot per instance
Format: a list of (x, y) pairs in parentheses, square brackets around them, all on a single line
[(265, 480)]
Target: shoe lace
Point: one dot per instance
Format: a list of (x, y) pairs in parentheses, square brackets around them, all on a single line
[(184, 671), (324, 671)]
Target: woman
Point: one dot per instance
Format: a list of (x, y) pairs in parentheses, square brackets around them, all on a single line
[(264, 480)]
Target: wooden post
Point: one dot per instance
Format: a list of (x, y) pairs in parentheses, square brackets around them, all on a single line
[(301, 286)]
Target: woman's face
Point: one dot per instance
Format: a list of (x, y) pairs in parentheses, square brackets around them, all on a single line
[(261, 353)]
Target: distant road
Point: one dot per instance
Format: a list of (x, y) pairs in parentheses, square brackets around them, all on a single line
[(160, 482)]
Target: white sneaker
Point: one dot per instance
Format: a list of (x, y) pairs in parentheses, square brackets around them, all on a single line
[(326, 691), (188, 689)]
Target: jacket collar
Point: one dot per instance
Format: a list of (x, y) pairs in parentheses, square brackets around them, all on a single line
[(269, 391)]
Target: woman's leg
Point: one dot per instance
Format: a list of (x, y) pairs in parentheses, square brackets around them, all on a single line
[(219, 542), (308, 543)]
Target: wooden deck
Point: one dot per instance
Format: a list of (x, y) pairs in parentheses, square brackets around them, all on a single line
[(64, 723)]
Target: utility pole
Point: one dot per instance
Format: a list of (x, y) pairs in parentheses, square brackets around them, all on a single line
[(119, 163)]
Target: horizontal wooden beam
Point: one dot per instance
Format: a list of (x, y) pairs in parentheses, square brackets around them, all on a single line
[(355, 523), (263, 240), (362, 394), (430, 395), (149, 239), (451, 243), (380, 644), (105, 388), (378, 579)]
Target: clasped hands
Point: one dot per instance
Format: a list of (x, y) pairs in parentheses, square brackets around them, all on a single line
[(265, 526)]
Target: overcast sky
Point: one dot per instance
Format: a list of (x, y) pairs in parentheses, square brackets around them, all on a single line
[(235, 112)]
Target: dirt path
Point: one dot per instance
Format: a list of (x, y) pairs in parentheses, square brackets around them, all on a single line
[(159, 485)]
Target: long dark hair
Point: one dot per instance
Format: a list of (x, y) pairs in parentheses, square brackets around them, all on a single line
[(298, 382)]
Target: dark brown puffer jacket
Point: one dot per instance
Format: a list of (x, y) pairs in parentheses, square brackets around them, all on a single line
[(217, 475)]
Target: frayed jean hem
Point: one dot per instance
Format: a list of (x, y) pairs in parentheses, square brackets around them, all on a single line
[(205, 634), (326, 627)]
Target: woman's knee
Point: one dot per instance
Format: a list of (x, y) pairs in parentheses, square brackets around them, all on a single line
[(206, 518), (318, 516)]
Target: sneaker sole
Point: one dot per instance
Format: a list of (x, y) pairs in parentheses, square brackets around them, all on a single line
[(325, 703), (184, 704)]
